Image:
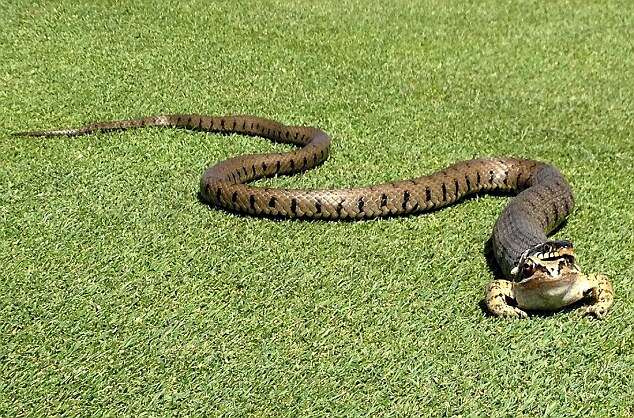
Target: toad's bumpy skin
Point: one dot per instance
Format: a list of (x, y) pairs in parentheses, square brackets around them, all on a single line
[(542, 274)]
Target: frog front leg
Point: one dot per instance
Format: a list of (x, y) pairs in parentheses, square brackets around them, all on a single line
[(497, 297), (600, 294)]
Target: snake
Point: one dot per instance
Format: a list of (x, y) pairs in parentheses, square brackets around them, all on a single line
[(539, 274)]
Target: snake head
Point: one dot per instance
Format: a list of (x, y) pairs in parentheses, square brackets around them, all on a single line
[(550, 257)]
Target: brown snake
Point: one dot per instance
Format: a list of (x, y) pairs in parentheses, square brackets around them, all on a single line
[(542, 274)]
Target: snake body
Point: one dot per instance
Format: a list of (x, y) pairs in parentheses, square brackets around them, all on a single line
[(543, 200)]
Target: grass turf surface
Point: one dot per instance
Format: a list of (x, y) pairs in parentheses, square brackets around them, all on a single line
[(121, 293)]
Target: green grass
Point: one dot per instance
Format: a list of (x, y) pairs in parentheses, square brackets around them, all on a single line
[(122, 294)]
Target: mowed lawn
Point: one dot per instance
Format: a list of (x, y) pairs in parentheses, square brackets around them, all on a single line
[(122, 294)]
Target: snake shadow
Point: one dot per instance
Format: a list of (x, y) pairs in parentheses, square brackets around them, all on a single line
[(487, 250), (239, 214)]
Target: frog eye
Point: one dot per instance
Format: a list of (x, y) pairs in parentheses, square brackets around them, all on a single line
[(528, 268)]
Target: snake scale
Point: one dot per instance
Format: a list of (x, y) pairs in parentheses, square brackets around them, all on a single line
[(542, 274)]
